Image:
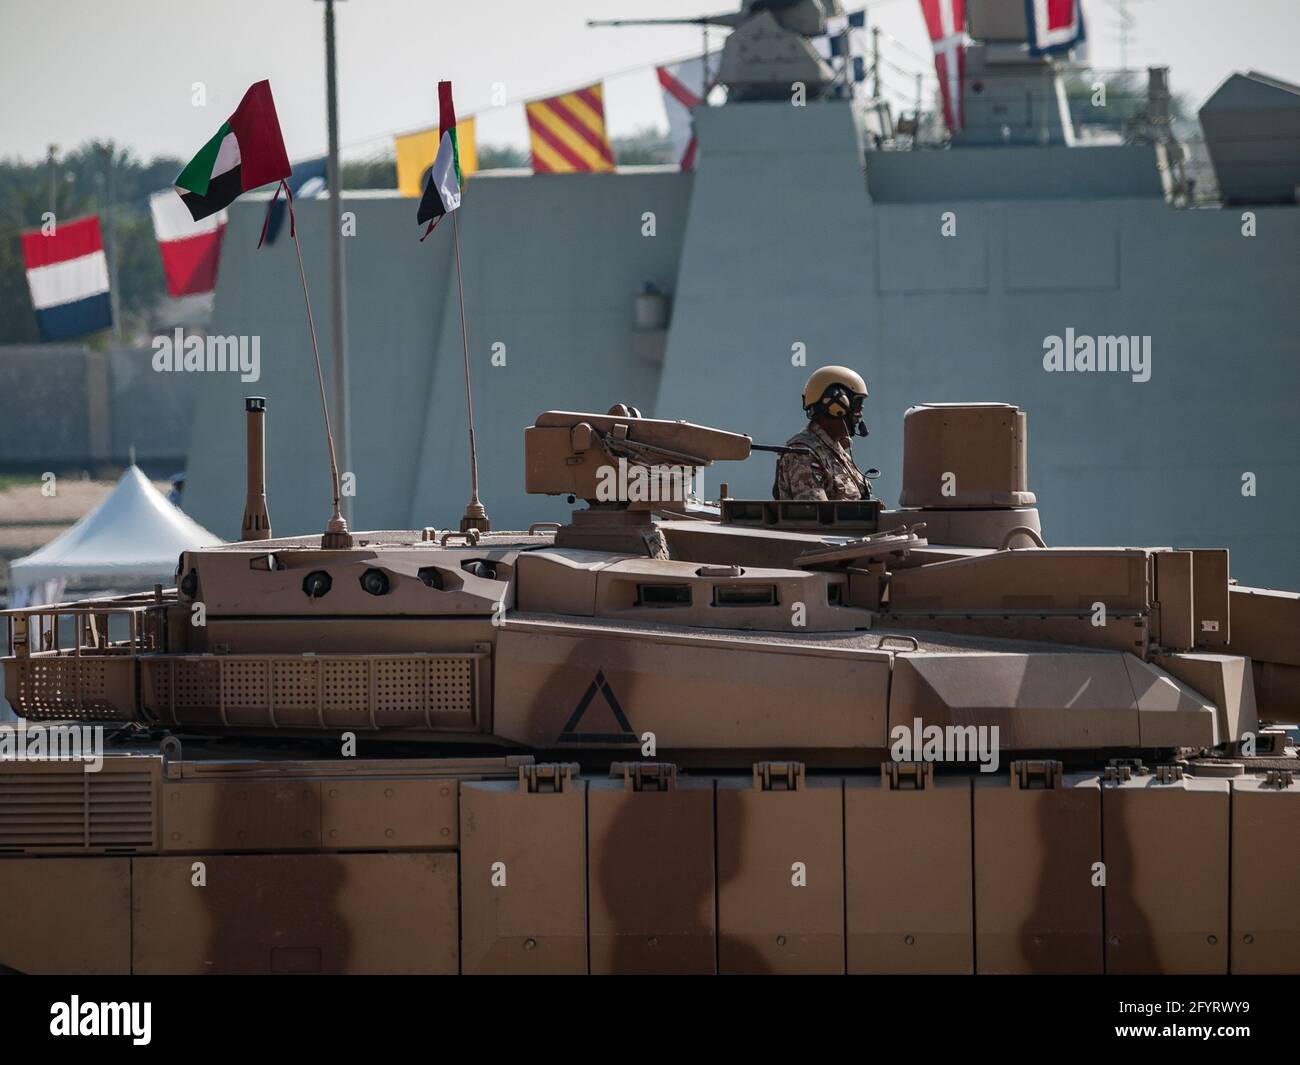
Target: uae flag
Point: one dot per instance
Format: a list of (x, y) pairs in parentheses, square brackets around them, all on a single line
[(442, 193), (245, 153)]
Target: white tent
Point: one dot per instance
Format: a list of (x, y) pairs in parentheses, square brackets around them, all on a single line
[(131, 540)]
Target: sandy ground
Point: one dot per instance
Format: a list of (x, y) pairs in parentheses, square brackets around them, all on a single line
[(72, 498)]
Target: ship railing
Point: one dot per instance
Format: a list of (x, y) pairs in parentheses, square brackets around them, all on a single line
[(1104, 105)]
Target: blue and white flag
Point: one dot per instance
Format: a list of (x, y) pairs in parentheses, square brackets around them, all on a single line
[(844, 46)]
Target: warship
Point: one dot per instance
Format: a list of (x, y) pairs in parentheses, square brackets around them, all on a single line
[(651, 733), (667, 736)]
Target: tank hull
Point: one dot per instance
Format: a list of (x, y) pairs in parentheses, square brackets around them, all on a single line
[(507, 865)]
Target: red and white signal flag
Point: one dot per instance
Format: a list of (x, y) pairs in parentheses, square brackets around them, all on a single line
[(684, 90), (1054, 25), (946, 21), (190, 250)]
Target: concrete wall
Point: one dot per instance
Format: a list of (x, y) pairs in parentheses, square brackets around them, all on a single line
[(776, 241), (62, 405), (52, 405)]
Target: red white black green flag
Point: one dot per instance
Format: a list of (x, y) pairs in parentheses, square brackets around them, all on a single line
[(245, 153), (442, 193)]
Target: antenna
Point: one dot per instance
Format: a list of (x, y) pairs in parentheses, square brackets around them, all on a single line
[(475, 513), (338, 305), (1125, 26), (336, 536)]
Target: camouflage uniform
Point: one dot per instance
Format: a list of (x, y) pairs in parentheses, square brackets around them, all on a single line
[(656, 544), (828, 473)]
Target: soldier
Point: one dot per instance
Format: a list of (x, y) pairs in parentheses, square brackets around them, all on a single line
[(832, 399)]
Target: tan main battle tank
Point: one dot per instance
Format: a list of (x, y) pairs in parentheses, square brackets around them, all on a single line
[(761, 736)]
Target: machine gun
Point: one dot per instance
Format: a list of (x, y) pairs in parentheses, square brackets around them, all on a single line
[(576, 454)]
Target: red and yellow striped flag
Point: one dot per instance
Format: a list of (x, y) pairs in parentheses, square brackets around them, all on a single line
[(568, 133)]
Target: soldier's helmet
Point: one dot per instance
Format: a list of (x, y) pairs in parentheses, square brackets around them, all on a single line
[(834, 390)]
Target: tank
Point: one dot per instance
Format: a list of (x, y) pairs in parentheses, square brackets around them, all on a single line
[(667, 736)]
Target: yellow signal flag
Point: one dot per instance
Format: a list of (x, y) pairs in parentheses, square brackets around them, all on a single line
[(567, 133), (417, 151)]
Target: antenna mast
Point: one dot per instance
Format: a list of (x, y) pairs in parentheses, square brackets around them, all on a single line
[(336, 535), (475, 513), (338, 306)]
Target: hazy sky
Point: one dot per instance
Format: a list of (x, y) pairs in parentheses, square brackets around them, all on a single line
[(74, 69)]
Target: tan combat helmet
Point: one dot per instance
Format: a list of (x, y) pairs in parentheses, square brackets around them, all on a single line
[(825, 390)]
